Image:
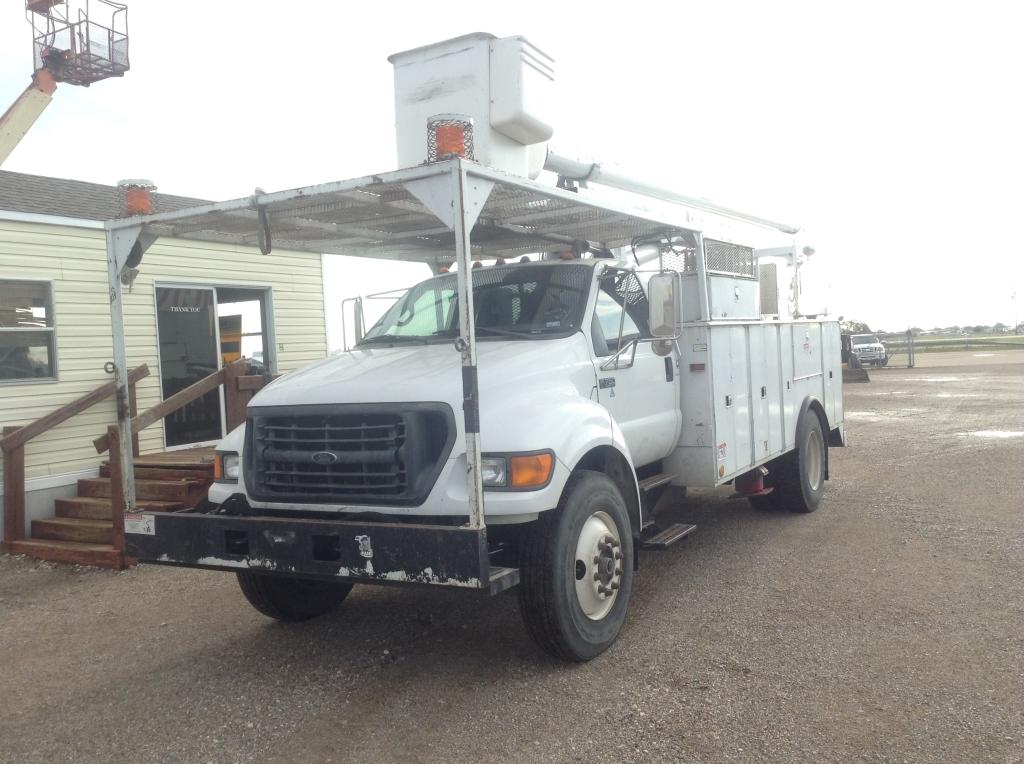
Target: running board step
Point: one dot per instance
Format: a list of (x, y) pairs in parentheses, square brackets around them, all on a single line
[(667, 537), (502, 579), (654, 481)]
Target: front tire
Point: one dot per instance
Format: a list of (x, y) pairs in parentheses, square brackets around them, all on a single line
[(576, 568), (291, 599), (798, 478)]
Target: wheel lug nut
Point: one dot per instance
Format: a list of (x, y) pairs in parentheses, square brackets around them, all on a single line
[(618, 555), (615, 585), (597, 559), (618, 571)]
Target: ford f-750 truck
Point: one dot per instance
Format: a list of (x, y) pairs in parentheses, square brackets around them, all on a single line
[(512, 425)]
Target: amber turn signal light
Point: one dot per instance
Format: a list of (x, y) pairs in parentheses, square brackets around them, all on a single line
[(531, 471)]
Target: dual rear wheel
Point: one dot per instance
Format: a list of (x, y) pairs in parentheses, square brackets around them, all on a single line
[(797, 479)]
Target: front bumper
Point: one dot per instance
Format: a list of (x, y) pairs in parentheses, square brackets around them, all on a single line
[(870, 355), (358, 552)]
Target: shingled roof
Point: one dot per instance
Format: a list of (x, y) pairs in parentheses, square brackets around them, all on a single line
[(73, 198)]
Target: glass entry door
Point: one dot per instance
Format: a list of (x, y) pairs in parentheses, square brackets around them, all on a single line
[(189, 351)]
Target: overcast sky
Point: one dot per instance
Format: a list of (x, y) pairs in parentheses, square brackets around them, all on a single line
[(893, 131)]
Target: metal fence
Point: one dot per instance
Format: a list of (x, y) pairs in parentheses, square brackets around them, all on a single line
[(899, 349)]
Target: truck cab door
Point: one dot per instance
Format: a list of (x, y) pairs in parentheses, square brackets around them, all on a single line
[(642, 394)]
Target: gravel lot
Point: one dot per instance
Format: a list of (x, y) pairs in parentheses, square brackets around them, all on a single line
[(886, 627)]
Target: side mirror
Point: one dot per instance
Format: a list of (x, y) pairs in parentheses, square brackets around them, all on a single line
[(663, 301)]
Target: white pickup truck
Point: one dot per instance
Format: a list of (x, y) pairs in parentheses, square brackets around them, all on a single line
[(869, 350), (508, 425)]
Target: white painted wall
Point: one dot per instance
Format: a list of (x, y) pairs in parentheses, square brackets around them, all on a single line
[(74, 258)]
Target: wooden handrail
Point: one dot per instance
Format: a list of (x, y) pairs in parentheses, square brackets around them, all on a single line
[(14, 490), (178, 400), (13, 440), (24, 434), (238, 390)]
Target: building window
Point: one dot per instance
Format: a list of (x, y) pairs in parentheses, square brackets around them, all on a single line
[(28, 349)]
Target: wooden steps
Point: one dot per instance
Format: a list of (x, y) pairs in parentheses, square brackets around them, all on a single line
[(82, 530), (96, 508), (188, 492), (101, 555), (74, 529), (162, 473)]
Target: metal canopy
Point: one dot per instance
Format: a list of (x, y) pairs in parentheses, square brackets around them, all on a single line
[(438, 213), (390, 216)]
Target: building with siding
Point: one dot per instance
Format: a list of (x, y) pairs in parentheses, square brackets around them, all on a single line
[(192, 307)]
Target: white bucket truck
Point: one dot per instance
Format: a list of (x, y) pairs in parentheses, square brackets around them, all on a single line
[(508, 425)]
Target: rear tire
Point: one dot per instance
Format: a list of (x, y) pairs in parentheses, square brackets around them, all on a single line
[(291, 599), (576, 568), (797, 478)]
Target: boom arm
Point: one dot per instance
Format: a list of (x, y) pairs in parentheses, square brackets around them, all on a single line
[(23, 113)]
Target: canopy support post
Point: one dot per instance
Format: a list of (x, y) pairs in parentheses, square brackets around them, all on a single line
[(468, 198), (120, 245)]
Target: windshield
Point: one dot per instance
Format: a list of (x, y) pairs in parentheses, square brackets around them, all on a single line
[(865, 339), (514, 302)]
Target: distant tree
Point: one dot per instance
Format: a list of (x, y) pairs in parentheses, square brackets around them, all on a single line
[(999, 326), (979, 329), (854, 327), (915, 330)]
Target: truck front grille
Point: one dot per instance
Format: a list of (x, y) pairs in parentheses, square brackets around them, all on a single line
[(369, 454)]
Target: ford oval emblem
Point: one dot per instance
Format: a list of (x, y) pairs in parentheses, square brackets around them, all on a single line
[(325, 458)]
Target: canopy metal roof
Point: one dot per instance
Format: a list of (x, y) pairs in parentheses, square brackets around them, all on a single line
[(390, 216)]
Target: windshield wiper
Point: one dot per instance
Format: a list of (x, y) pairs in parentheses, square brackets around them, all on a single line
[(393, 338), (528, 333)]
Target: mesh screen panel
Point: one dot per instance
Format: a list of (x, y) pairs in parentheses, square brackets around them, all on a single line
[(729, 258)]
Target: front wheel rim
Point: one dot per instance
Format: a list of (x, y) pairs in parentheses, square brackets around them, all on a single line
[(814, 459), (598, 566)]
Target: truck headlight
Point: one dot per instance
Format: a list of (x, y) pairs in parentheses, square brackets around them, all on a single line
[(494, 471), (225, 467), (517, 472)]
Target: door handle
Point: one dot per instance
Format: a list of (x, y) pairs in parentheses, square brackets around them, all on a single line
[(670, 373)]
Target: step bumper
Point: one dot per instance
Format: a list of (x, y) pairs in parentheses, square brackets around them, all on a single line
[(360, 552)]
